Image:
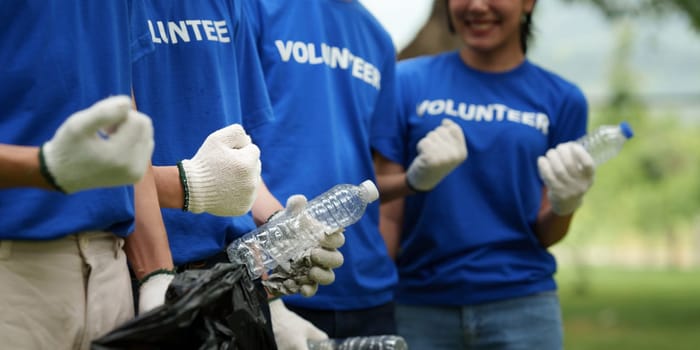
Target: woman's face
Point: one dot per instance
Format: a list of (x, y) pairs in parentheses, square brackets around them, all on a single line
[(488, 26)]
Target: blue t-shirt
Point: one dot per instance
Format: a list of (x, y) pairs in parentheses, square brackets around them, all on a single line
[(471, 240), (204, 75), (56, 58), (329, 67)]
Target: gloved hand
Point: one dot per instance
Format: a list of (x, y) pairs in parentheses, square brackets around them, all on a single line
[(315, 265), (223, 177), (107, 144), (567, 170), (152, 291), (439, 152), (291, 331)]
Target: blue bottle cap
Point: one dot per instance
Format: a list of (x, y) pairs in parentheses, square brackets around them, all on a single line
[(626, 130)]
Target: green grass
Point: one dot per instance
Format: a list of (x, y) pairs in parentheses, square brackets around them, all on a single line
[(630, 309)]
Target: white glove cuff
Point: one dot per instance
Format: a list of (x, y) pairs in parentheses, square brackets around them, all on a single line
[(45, 153), (153, 288), (199, 186), (565, 207)]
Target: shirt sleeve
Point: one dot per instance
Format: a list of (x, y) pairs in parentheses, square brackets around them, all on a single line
[(390, 123), (572, 119)]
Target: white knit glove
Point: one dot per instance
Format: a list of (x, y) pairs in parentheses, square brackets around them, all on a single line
[(291, 331), (567, 170), (439, 152), (315, 265), (223, 177), (107, 144), (152, 291)]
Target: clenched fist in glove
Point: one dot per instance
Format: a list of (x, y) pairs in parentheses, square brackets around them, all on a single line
[(439, 152), (567, 170), (222, 178), (291, 331), (107, 144), (315, 265)]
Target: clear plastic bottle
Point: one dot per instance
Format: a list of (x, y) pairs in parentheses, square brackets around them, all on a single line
[(378, 342), (606, 141), (284, 238)]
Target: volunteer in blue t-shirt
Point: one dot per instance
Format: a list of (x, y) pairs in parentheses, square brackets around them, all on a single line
[(474, 269), (203, 83), (329, 67), (71, 145)]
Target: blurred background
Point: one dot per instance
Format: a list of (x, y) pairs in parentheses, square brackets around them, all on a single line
[(629, 270)]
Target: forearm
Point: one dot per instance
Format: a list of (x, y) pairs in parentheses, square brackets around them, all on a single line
[(391, 179), (265, 204), (550, 228), (169, 187), (20, 167), (147, 247), (392, 186), (390, 225)]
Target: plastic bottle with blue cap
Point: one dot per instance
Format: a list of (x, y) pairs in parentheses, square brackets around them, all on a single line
[(606, 141)]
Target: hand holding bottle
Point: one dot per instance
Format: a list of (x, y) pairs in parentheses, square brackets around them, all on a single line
[(304, 233), (567, 170), (315, 265)]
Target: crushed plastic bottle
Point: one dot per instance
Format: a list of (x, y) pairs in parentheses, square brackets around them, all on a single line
[(606, 141), (284, 238), (378, 342)]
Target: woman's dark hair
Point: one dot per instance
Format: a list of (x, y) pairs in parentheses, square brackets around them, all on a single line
[(525, 26)]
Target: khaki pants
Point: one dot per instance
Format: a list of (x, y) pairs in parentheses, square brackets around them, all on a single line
[(63, 293)]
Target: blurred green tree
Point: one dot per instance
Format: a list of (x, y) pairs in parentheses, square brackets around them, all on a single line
[(653, 188), (617, 8)]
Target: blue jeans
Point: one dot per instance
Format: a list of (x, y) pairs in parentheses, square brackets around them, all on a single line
[(527, 323), (352, 323)]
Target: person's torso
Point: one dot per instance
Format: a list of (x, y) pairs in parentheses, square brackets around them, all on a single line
[(56, 58), (331, 83), (203, 75), (471, 237)]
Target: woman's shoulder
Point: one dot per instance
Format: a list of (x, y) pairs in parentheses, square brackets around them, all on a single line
[(555, 80), (426, 63)]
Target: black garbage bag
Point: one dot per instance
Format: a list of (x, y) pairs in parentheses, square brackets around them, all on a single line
[(217, 308)]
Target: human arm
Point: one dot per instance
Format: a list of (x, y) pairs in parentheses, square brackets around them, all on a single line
[(567, 171), (19, 167), (265, 205), (550, 228), (147, 247), (304, 275), (107, 144), (391, 178)]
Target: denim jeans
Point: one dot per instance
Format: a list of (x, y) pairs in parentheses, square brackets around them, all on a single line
[(527, 323), (351, 323)]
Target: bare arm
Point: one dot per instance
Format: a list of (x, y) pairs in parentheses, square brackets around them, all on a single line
[(550, 228), (391, 180), (19, 167), (147, 248), (390, 225), (169, 188), (265, 204)]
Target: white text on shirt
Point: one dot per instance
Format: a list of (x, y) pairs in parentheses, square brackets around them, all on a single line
[(484, 113)]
